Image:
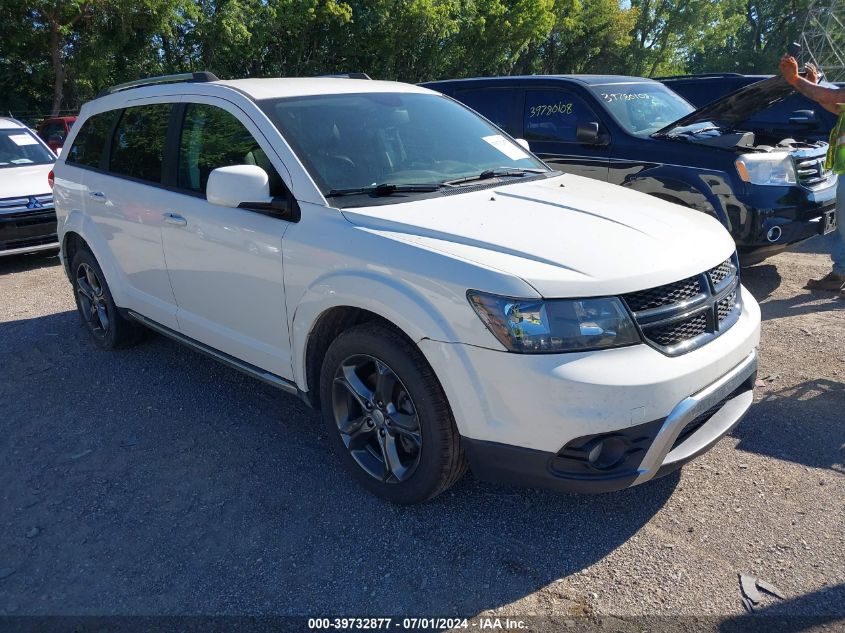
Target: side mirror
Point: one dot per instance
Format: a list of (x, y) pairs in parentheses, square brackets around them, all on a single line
[(523, 144), (248, 187), (803, 117), (588, 133)]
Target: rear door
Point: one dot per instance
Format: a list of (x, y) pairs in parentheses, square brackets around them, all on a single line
[(550, 119), (225, 265), (125, 198)]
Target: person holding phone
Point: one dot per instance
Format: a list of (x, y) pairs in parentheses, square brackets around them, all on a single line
[(832, 99)]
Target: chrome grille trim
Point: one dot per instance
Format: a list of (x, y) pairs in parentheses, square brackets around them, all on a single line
[(676, 322), (23, 204), (811, 171)]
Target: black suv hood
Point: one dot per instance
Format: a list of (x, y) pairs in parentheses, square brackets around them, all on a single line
[(738, 106)]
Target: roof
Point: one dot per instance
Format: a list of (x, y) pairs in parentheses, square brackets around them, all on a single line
[(10, 124), (588, 80), (301, 86)]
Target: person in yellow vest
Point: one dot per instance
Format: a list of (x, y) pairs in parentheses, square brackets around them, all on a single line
[(832, 99)]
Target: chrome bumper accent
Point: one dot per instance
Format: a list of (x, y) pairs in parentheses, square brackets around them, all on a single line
[(30, 249), (661, 451)]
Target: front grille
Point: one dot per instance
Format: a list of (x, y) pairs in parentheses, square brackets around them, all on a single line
[(811, 171), (664, 295), (25, 204), (679, 317), (675, 333)]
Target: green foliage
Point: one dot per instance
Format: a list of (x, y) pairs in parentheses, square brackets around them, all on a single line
[(55, 54)]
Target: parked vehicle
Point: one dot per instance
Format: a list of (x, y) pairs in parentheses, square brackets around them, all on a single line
[(770, 192), (27, 217), (795, 116), (434, 289), (54, 131)]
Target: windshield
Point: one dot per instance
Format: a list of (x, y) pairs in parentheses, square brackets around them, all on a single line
[(642, 108), (349, 141), (19, 147)]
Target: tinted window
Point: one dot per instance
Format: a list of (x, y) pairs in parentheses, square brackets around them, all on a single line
[(212, 138), (138, 146), (19, 147), (54, 132), (701, 93), (90, 142), (780, 112), (554, 115), (494, 103)]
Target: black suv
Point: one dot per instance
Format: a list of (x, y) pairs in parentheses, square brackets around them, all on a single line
[(770, 192), (796, 116)]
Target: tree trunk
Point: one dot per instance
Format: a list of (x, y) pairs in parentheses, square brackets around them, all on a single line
[(58, 67)]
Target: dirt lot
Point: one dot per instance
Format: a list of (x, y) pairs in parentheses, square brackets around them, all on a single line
[(154, 481)]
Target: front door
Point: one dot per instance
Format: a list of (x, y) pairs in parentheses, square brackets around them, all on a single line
[(225, 265), (550, 121)]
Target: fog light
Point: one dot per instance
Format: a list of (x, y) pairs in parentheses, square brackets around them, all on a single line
[(607, 453), (774, 234)]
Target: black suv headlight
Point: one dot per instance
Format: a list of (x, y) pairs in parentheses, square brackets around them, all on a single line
[(536, 326)]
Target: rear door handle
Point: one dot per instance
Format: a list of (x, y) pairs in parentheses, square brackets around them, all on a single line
[(175, 219), (99, 196)]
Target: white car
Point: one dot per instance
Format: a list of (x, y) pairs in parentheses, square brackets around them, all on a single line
[(27, 218), (434, 289)]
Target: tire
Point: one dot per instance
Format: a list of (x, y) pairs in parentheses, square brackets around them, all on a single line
[(109, 329), (413, 425)]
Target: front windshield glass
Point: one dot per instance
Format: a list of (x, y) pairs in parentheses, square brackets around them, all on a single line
[(642, 108), (19, 147), (363, 140)]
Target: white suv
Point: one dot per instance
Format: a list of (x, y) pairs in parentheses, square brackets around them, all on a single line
[(407, 268)]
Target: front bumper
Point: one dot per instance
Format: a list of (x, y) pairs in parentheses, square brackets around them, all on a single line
[(531, 418), (639, 453), (771, 219), (28, 231)]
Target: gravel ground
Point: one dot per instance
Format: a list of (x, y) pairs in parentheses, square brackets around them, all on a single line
[(153, 481)]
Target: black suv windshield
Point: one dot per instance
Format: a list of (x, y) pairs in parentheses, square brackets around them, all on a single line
[(362, 141), (19, 147), (642, 108)]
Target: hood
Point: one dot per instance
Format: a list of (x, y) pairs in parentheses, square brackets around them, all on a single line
[(739, 106), (566, 236), (26, 180)]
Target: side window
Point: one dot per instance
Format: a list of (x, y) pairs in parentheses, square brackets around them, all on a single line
[(212, 138), (554, 115), (89, 144), (137, 149), (497, 104)]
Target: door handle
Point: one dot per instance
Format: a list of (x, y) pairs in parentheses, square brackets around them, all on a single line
[(174, 219), (99, 196)]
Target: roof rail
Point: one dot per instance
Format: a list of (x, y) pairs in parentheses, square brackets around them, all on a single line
[(199, 77), (700, 76), (348, 76)]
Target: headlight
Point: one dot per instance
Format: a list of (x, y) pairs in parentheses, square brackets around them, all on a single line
[(766, 169), (534, 326)]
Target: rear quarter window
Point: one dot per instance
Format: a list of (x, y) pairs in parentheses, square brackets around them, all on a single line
[(496, 104), (90, 143)]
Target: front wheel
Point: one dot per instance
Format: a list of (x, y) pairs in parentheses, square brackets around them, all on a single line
[(387, 416)]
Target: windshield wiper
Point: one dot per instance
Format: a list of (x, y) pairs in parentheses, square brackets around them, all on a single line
[(384, 189), (496, 173)]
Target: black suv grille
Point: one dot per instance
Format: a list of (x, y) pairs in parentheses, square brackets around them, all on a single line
[(679, 317)]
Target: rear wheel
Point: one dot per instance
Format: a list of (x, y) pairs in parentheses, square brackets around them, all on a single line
[(108, 328), (387, 416)]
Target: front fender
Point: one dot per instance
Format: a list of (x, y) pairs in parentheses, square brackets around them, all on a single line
[(406, 307), (697, 191)]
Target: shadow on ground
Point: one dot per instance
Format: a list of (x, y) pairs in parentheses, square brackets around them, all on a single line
[(801, 414), (762, 280), (21, 263), (152, 481)]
